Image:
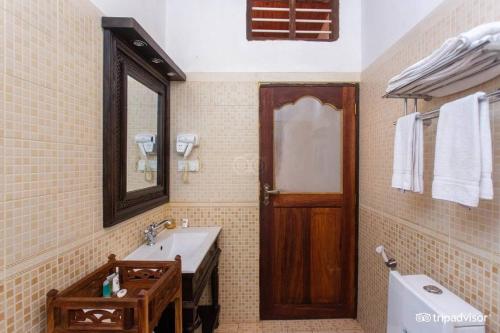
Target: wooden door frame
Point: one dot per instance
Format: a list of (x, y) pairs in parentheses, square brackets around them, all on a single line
[(263, 142)]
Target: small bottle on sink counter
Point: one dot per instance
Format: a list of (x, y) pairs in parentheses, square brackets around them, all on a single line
[(116, 281), (106, 289)]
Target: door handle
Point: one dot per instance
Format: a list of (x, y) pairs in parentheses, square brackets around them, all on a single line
[(268, 192)]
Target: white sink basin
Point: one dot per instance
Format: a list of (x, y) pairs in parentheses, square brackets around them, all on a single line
[(190, 243)]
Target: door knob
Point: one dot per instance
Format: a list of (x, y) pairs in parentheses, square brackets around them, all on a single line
[(268, 192)]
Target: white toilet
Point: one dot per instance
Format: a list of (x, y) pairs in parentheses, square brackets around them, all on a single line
[(418, 304)]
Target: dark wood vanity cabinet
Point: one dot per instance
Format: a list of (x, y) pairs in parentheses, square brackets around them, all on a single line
[(193, 286)]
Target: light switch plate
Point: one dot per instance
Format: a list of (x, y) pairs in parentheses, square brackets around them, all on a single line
[(192, 165)]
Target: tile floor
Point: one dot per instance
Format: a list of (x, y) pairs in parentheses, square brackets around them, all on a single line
[(295, 326)]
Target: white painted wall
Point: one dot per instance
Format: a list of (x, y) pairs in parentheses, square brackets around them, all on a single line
[(386, 21), (210, 36), (149, 13)]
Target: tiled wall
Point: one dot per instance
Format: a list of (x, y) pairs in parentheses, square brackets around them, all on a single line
[(51, 230), (50, 171), (225, 191), (50, 162), (458, 247), (225, 116), (223, 110)]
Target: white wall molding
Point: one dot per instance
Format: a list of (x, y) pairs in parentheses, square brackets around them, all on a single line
[(274, 77)]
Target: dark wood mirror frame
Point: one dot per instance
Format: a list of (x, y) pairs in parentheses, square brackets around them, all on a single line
[(122, 59)]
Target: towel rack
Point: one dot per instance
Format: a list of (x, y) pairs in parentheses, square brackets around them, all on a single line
[(398, 92), (493, 97)]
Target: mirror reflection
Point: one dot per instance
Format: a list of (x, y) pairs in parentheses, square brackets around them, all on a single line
[(142, 129)]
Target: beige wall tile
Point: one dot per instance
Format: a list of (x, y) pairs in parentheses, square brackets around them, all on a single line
[(3, 325), (30, 111), (239, 262), (225, 115), (30, 168), (2, 133), (78, 168), (74, 216), (30, 227), (27, 30), (79, 121), (448, 242), (39, 14), (79, 60), (74, 264), (51, 173), (494, 319), (53, 169), (25, 297)]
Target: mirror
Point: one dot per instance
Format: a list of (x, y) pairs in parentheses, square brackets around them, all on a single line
[(142, 131), (136, 132)]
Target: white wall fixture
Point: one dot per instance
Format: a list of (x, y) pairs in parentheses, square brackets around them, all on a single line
[(184, 146), (146, 143), (189, 165), (186, 143)]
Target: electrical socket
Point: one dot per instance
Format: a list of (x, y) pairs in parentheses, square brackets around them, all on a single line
[(192, 165)]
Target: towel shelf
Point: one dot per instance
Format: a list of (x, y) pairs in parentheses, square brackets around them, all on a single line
[(411, 89)]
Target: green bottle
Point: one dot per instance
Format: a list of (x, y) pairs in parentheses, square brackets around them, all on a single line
[(106, 289)]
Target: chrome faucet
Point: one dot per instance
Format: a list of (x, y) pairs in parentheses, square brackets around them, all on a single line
[(152, 231)]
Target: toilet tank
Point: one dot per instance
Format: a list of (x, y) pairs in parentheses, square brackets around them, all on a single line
[(433, 309)]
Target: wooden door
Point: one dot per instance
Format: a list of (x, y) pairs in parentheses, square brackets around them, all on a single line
[(308, 201)]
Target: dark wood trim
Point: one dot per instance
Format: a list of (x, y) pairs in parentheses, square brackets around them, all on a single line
[(357, 194), (293, 17), (335, 27), (309, 200), (335, 20), (128, 29), (346, 99), (121, 60), (249, 20), (350, 185)]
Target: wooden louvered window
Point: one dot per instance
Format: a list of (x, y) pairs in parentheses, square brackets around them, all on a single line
[(315, 20)]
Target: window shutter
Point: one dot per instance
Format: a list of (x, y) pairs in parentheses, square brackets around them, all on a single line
[(315, 20)]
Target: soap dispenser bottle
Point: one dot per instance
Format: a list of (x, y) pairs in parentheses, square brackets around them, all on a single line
[(116, 281)]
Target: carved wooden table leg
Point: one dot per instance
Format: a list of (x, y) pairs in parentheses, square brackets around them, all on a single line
[(178, 312)]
